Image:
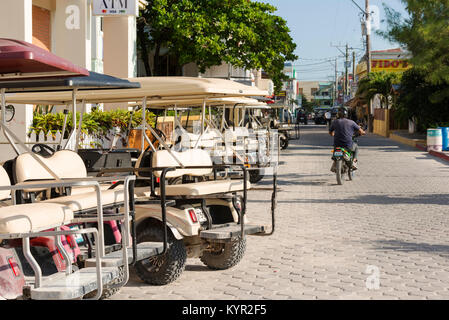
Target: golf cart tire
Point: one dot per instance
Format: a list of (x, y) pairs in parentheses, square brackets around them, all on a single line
[(255, 176), (231, 254), (108, 289), (173, 261)]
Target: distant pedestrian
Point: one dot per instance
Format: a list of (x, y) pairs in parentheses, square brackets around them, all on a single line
[(328, 117)]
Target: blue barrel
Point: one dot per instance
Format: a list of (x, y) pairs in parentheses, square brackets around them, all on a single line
[(434, 140), (445, 133)]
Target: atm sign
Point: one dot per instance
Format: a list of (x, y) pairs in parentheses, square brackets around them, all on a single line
[(115, 7)]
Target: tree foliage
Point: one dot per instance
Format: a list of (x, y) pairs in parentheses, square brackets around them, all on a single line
[(307, 105), (378, 83), (414, 101), (425, 34), (242, 33)]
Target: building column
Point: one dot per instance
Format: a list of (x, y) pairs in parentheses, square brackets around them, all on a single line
[(119, 50), (72, 32), (16, 22)]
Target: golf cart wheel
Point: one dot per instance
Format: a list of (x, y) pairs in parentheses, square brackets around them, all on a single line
[(284, 142), (255, 176), (108, 289), (339, 172), (161, 269), (224, 255)]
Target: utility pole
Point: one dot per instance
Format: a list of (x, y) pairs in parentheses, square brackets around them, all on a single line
[(345, 74), (346, 70), (368, 61), (336, 83), (353, 67), (368, 36)]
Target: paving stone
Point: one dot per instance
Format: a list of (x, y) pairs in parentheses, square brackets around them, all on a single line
[(393, 217)]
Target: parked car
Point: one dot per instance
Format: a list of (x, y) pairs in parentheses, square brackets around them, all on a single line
[(319, 115)]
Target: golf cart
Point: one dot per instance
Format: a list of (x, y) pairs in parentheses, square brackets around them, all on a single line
[(203, 215), (245, 141), (288, 130), (260, 146), (53, 227)]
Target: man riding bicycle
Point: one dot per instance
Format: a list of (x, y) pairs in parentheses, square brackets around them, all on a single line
[(343, 129)]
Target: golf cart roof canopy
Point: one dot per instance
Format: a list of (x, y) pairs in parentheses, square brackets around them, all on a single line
[(20, 59), (92, 81), (228, 102), (157, 89), (237, 102)]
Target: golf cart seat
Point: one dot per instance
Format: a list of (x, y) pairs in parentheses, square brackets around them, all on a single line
[(206, 140), (232, 134), (192, 158), (33, 217), (88, 201), (188, 158), (65, 164), (26, 218), (203, 188)]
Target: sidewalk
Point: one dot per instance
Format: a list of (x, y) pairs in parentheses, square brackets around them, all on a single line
[(418, 141)]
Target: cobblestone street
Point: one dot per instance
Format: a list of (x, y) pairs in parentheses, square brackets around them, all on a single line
[(382, 236)]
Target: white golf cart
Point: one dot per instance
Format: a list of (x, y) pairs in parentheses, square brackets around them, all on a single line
[(25, 67), (51, 203), (245, 141), (204, 216)]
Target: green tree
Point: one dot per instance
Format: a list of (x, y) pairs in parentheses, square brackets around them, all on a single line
[(414, 101), (306, 104), (378, 83), (425, 34), (242, 33)]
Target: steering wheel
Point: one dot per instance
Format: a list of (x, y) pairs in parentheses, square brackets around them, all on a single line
[(10, 112), (43, 150)]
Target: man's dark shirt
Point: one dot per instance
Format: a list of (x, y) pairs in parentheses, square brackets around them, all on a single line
[(344, 130)]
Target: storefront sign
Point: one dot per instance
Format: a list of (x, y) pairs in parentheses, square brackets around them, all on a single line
[(282, 94), (390, 65), (115, 8)]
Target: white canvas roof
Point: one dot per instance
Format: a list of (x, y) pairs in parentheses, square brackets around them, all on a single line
[(214, 102), (156, 89)]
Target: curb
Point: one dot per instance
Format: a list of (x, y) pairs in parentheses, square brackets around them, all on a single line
[(437, 154)]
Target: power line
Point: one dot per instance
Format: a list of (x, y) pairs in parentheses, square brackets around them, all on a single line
[(311, 64), (318, 59)]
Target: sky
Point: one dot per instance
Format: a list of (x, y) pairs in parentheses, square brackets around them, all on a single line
[(318, 25)]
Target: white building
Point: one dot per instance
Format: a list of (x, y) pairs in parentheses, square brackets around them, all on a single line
[(104, 43)]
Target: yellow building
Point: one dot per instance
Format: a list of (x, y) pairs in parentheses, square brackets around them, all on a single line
[(392, 60)]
